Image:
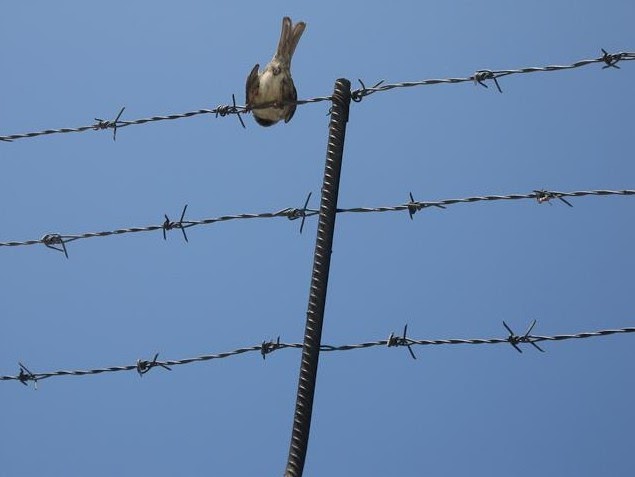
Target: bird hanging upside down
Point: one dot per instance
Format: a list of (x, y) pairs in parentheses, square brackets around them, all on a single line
[(274, 85)]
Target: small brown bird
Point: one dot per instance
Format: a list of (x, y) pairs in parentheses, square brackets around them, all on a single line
[(274, 85)]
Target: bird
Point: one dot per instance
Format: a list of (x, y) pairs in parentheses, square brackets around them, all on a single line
[(274, 85)]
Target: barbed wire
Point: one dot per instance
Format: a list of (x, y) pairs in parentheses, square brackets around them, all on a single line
[(266, 347), (58, 241), (610, 60)]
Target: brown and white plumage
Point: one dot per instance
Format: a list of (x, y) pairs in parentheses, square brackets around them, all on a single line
[(274, 85)]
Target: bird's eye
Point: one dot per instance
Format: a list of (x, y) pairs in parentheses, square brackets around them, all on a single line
[(276, 70)]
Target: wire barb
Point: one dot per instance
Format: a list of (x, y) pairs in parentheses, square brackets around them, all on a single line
[(25, 376), (303, 213), (415, 206), (611, 59), (53, 240), (269, 347), (401, 341), (144, 366), (169, 225), (514, 339), (104, 124), (543, 196), (360, 93), (223, 111), (483, 75)]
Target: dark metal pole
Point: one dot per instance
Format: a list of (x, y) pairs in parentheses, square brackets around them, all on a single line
[(319, 279)]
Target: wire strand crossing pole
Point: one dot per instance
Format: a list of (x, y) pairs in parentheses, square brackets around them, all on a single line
[(319, 279)]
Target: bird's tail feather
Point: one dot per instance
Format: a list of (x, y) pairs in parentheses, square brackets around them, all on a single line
[(289, 38)]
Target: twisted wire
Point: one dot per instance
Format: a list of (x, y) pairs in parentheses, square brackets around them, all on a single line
[(480, 77), (609, 60), (289, 213), (267, 347), (57, 241)]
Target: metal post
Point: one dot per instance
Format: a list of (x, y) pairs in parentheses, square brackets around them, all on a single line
[(319, 279)]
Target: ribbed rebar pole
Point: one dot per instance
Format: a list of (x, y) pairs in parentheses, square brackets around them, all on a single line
[(319, 279)]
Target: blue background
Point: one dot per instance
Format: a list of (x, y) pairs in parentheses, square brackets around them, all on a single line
[(455, 273)]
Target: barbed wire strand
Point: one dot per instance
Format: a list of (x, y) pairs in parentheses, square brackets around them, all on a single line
[(58, 241), (267, 347), (610, 60)]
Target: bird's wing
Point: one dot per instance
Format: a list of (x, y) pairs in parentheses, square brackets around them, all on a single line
[(289, 92), (251, 88)]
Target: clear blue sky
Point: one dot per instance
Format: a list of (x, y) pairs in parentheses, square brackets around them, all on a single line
[(455, 273)]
